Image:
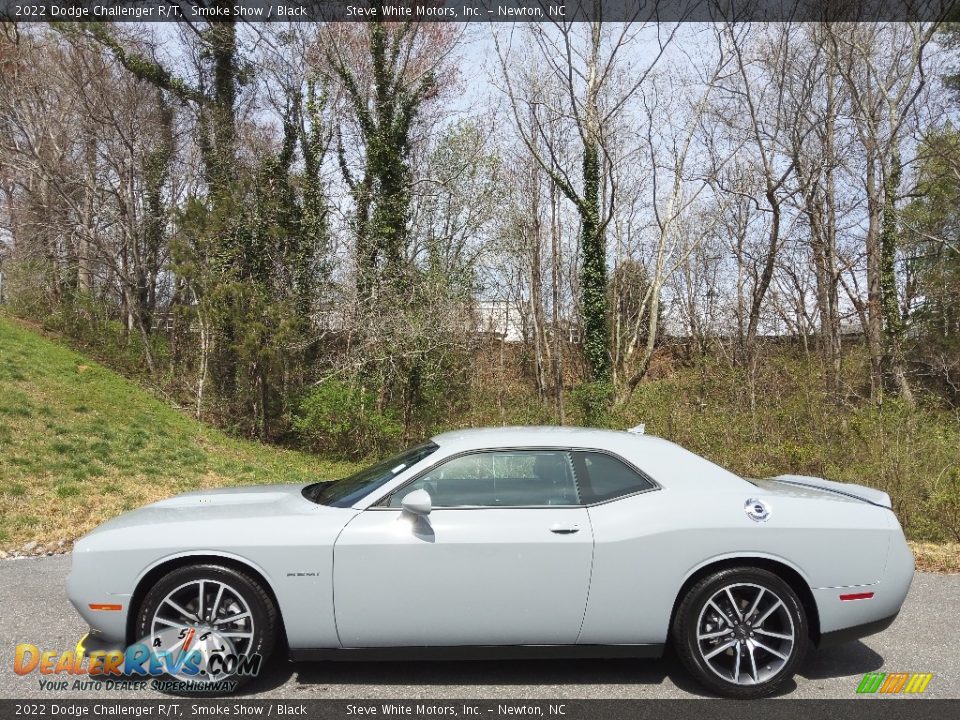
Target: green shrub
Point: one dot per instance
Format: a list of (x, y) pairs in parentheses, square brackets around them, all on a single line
[(343, 419), (944, 503), (592, 402)]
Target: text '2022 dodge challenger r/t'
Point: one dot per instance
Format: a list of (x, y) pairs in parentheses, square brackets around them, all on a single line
[(505, 542)]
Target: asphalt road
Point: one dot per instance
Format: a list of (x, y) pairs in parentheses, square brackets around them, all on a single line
[(925, 638)]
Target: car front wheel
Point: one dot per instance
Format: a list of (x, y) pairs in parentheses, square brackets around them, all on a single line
[(741, 632), (208, 625)]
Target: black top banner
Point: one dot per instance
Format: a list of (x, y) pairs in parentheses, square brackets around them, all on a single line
[(554, 11)]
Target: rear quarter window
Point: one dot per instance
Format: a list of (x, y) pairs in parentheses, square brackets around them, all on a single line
[(604, 477)]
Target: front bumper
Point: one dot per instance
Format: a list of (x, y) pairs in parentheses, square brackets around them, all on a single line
[(103, 611), (93, 642)]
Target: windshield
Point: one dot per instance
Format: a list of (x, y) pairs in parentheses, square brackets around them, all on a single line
[(345, 492)]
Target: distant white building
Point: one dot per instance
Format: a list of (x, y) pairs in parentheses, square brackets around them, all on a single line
[(499, 318)]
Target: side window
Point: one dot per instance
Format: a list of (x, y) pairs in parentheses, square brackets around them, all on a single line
[(604, 477), (509, 478)]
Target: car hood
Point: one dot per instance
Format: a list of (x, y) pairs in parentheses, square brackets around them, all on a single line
[(228, 497), (236, 503)]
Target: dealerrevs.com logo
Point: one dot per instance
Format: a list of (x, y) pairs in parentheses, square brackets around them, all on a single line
[(185, 658), (894, 683)]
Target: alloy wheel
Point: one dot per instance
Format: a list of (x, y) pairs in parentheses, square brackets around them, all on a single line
[(745, 633), (209, 616)]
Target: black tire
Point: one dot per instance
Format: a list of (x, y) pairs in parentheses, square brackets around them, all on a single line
[(767, 672), (262, 610)]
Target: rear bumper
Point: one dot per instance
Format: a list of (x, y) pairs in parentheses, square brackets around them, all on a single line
[(838, 637), (845, 616)]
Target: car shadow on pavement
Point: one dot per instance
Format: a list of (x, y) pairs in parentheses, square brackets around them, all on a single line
[(853, 658), (423, 674), (399, 679)]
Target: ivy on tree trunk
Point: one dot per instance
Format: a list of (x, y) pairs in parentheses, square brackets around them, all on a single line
[(893, 324), (594, 269)]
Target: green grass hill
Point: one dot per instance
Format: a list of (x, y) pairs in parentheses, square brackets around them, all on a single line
[(80, 444)]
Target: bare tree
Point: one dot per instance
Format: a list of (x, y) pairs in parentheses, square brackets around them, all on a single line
[(758, 89), (599, 76), (673, 241), (105, 180), (816, 100), (883, 71)]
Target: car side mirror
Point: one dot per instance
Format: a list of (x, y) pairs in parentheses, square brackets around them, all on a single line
[(417, 502)]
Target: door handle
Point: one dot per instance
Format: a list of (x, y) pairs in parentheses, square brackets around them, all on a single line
[(564, 529)]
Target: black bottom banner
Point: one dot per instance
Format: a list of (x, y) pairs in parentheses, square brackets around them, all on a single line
[(866, 708)]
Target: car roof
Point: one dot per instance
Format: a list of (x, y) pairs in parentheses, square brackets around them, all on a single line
[(661, 459), (538, 436)]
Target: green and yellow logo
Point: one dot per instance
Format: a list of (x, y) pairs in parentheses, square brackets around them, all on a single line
[(893, 683)]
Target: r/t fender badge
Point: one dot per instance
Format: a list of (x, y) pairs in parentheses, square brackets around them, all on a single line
[(756, 510)]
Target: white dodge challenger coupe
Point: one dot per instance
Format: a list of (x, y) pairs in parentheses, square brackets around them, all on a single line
[(505, 543)]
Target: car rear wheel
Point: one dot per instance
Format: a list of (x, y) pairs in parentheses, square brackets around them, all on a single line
[(211, 623), (741, 632)]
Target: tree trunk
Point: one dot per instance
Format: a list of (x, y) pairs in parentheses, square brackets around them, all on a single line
[(593, 283), (534, 247), (555, 309), (894, 362), (825, 254), (874, 329), (759, 293), (84, 271)]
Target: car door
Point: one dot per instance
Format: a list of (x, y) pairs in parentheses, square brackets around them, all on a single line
[(503, 558)]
